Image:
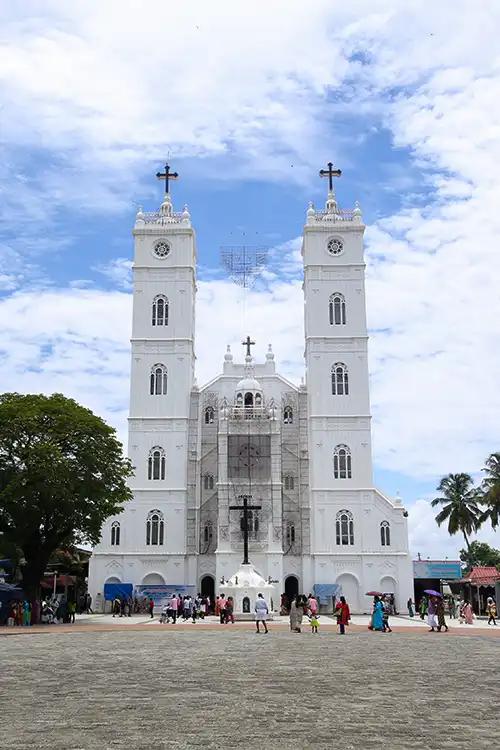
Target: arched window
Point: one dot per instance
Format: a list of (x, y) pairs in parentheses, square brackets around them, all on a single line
[(208, 481), (155, 528), (156, 463), (336, 309), (344, 527), (290, 534), (207, 533), (158, 380), (342, 467), (115, 534), (288, 415), (258, 399), (340, 379), (209, 415), (385, 534), (253, 524), (160, 311), (288, 482), (249, 399)]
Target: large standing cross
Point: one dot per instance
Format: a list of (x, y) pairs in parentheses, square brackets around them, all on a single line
[(248, 343), (330, 173), (246, 507), (167, 175)]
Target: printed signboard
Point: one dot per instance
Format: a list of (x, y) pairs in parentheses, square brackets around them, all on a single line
[(437, 569)]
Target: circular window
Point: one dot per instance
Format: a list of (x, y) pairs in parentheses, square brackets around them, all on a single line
[(161, 249), (335, 246)]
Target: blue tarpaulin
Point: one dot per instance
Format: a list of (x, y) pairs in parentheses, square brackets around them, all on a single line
[(112, 590), (7, 594), (325, 591)]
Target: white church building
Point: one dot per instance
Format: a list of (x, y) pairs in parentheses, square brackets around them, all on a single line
[(299, 455)]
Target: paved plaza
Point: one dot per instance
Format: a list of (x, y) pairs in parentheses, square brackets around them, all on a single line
[(230, 688)]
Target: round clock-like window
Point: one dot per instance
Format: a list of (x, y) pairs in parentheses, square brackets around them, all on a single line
[(161, 249), (335, 246)]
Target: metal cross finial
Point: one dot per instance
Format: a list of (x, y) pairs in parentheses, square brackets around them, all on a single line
[(167, 175), (248, 343), (330, 173), (244, 523)]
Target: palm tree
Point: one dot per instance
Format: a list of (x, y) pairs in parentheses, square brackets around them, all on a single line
[(491, 490), (460, 501)]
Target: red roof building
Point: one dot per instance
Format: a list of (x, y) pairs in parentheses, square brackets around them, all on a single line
[(482, 576)]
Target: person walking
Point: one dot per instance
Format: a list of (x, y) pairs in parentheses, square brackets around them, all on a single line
[(344, 615), (312, 605), (387, 609), (440, 615), (451, 607), (261, 612), (173, 607), (222, 609), (432, 614), (491, 610), (314, 622), (72, 611), (409, 605), (378, 614), (423, 607), (229, 611), (151, 606), (296, 614), (467, 613)]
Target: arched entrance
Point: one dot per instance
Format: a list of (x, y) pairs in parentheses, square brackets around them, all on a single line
[(291, 587), (350, 589), (112, 579), (388, 585), (153, 579), (207, 588)]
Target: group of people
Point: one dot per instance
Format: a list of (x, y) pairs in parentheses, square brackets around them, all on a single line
[(308, 606), (382, 608), (434, 607), (185, 607)]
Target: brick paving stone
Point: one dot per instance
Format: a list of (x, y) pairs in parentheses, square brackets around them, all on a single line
[(164, 689)]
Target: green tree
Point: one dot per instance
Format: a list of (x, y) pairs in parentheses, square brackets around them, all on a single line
[(480, 553), (491, 490), (460, 501), (62, 474)]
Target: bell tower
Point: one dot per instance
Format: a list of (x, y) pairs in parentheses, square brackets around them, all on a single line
[(162, 372), (336, 351)]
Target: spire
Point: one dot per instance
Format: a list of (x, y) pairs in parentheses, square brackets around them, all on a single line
[(228, 357), (270, 353)]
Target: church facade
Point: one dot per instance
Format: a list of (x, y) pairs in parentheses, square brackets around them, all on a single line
[(298, 456)]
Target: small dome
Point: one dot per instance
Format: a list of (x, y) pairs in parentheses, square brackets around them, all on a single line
[(249, 384), (228, 356)]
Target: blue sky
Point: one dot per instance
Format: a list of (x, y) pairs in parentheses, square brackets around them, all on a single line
[(248, 106)]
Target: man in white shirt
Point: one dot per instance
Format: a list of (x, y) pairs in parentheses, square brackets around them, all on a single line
[(261, 612)]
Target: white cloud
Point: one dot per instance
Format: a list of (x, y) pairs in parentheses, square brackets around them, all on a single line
[(97, 89), (430, 540)]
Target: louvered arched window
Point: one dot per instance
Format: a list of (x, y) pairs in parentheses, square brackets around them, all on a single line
[(342, 465), (385, 534), (155, 528), (208, 481), (336, 310), (159, 315), (158, 380), (156, 463), (344, 527), (288, 482), (209, 415), (340, 379), (115, 534), (288, 415)]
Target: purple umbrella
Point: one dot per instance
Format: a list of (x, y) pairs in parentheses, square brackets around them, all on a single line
[(432, 593)]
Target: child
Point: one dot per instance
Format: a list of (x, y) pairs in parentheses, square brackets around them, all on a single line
[(314, 622)]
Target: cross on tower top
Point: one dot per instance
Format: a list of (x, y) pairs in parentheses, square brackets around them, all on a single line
[(167, 175), (248, 343), (330, 173)]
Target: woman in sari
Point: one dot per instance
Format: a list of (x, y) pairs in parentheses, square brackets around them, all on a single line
[(467, 614), (296, 614), (378, 614)]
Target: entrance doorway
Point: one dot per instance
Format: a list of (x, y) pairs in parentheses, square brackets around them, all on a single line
[(208, 589), (291, 587)]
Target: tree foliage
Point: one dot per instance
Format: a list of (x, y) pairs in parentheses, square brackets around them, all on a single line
[(460, 501), (480, 553), (491, 490), (62, 474)]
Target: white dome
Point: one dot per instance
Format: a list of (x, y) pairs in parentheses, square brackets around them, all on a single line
[(249, 384), (248, 577)]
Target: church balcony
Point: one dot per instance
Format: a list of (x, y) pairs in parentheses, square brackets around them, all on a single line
[(156, 217), (244, 413), (338, 215)]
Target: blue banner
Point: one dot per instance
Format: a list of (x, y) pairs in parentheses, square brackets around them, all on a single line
[(113, 590), (437, 569), (325, 591)]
